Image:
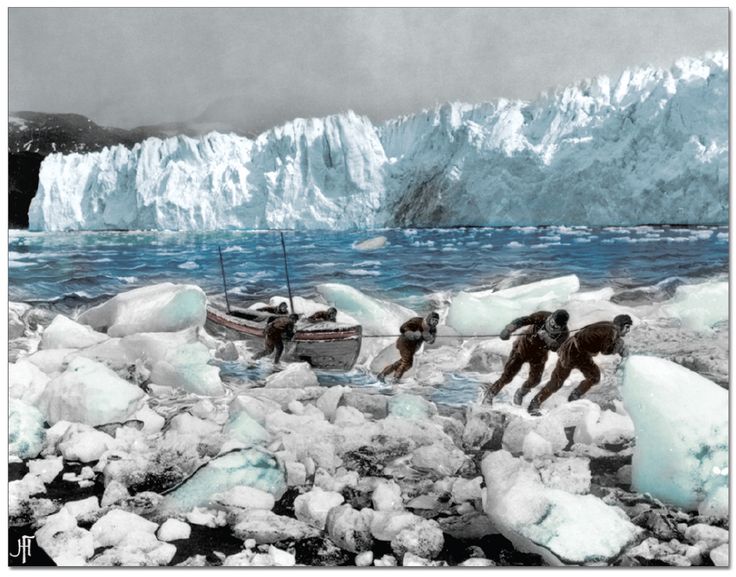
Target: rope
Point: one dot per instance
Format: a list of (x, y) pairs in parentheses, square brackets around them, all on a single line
[(467, 336)]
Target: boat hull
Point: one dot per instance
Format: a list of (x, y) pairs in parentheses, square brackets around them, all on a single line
[(325, 346)]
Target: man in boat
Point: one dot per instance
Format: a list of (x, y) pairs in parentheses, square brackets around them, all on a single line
[(577, 352), (330, 315), (414, 332), (546, 332), (277, 330), (281, 309)]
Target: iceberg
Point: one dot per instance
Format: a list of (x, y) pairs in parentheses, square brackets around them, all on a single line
[(488, 312), (164, 307), (501, 163), (681, 422), (64, 333)]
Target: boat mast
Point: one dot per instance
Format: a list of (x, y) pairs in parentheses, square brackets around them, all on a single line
[(224, 283), (286, 268)]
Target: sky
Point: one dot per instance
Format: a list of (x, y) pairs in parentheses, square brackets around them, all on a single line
[(253, 68)]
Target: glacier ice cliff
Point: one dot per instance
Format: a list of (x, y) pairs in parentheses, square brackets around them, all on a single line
[(651, 147)]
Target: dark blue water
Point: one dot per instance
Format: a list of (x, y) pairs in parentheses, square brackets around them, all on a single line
[(71, 268)]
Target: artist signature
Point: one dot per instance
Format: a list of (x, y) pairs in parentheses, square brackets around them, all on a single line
[(24, 548)]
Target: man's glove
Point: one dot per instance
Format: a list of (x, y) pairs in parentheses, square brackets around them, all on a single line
[(428, 337), (506, 332), (413, 335), (548, 340)]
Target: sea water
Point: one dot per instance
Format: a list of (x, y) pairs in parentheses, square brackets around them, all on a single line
[(414, 267)]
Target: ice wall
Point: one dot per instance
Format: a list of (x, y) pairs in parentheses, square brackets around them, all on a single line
[(650, 147)]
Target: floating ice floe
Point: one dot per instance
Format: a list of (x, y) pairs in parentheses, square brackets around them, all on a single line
[(488, 312), (249, 467), (560, 526), (699, 307), (371, 244), (164, 307), (681, 421), (90, 393)]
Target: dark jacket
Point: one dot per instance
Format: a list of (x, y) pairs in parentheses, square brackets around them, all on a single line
[(319, 317), (280, 327), (531, 343)]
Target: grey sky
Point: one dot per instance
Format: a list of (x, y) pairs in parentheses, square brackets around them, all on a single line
[(256, 67)]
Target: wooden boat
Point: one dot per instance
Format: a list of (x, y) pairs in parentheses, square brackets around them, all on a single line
[(326, 345)]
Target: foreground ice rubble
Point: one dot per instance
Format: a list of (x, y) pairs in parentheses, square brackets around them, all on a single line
[(681, 420), (354, 476)]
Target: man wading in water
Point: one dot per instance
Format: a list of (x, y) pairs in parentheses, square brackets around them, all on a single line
[(577, 352), (277, 330), (414, 332), (546, 332)]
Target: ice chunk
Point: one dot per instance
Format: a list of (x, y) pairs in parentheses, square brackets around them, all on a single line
[(708, 534), (84, 443), (603, 427), (64, 333), (560, 526), (164, 307), (82, 508), (719, 555), (410, 407), (115, 526), (295, 375), (423, 538), (173, 530), (47, 469), (328, 402), (466, 489), (441, 458), (700, 306), (244, 497), (52, 360), (26, 381), (25, 430), (186, 368), (63, 541), (535, 446), (387, 496), (489, 312), (88, 392), (681, 420), (312, 507), (244, 428), (250, 467), (371, 243), (350, 529), (267, 527), (375, 315)]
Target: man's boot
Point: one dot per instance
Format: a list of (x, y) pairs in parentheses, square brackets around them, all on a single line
[(519, 395), (534, 407)]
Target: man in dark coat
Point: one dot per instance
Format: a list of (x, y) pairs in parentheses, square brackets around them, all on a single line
[(546, 332), (281, 309), (414, 332), (577, 352), (277, 330), (330, 315)]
